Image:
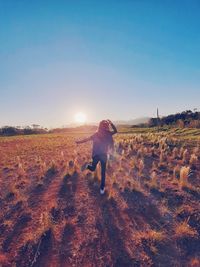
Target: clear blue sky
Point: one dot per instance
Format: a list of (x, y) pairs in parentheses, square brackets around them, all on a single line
[(110, 59)]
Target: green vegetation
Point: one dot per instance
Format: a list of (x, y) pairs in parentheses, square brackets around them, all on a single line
[(184, 119), (183, 133)]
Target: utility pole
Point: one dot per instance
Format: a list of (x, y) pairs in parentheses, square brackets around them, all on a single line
[(157, 114)]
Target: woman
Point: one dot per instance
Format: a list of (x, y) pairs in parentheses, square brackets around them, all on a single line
[(102, 141)]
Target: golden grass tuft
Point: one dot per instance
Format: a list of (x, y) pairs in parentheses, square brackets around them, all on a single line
[(140, 166), (152, 235), (157, 236), (154, 180), (195, 262), (193, 160), (184, 230), (185, 156), (184, 173)]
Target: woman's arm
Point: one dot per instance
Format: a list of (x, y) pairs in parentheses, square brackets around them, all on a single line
[(113, 127), (84, 140)]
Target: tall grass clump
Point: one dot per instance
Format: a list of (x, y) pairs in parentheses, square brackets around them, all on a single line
[(184, 173)]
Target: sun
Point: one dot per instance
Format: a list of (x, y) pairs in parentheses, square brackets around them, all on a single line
[(80, 117)]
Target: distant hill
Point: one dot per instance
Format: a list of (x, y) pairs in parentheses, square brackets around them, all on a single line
[(82, 128), (142, 120)]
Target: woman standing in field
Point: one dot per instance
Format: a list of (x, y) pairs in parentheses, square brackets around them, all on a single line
[(102, 141)]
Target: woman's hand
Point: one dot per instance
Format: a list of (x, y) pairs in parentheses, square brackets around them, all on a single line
[(113, 126)]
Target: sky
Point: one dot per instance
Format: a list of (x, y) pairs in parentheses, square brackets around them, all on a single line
[(115, 60)]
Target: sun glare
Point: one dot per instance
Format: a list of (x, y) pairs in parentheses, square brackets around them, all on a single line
[(80, 118)]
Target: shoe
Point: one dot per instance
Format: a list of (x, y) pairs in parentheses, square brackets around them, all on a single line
[(84, 167), (102, 191)]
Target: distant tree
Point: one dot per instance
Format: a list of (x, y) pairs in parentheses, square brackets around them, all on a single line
[(35, 126), (8, 130), (153, 122), (28, 130)]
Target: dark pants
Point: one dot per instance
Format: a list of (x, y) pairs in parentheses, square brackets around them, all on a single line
[(103, 159)]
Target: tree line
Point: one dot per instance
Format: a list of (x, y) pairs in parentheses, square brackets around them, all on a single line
[(37, 129), (184, 119), (11, 130)]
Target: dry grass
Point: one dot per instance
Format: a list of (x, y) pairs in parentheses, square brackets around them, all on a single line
[(154, 180), (33, 180), (158, 236), (184, 174), (184, 230), (195, 262)]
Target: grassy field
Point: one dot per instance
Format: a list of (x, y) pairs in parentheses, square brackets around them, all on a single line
[(183, 133), (51, 213)]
